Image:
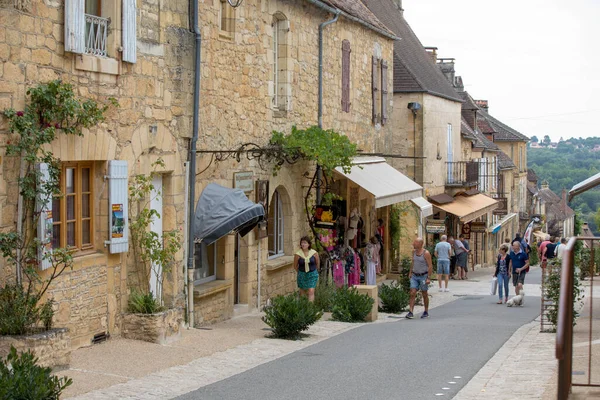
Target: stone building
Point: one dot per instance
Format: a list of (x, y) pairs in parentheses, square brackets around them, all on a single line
[(140, 53)]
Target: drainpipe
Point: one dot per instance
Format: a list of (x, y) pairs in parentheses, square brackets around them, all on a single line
[(320, 110), (192, 160)]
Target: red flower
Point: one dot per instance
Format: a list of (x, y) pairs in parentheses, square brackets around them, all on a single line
[(57, 126), (20, 113)]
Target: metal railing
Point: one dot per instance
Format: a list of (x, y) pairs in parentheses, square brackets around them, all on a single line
[(564, 326), (96, 34), (462, 173)]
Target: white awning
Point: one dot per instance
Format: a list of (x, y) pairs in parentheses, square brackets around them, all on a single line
[(425, 206), (387, 184), (496, 227)]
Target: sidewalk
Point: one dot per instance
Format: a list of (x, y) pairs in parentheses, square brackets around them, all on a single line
[(128, 369)]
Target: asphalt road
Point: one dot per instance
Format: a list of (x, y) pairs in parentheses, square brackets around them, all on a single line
[(410, 359)]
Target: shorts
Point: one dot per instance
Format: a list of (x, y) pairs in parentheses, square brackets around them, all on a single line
[(443, 267), (461, 260), (419, 282), (519, 278)]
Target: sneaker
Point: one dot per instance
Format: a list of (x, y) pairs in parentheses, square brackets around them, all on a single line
[(410, 315), (440, 290), (446, 290), (425, 315)]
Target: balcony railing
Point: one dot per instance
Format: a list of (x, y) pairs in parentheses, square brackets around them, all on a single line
[(96, 33), (572, 358), (462, 173)]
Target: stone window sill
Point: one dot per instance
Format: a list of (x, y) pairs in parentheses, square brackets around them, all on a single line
[(207, 289), (279, 113), (86, 62), (279, 262)]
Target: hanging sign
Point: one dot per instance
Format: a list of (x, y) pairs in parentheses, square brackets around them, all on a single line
[(435, 226), (478, 226), (325, 217), (243, 181), (466, 230)]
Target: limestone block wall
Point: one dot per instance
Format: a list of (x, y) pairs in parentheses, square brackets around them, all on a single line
[(153, 120)]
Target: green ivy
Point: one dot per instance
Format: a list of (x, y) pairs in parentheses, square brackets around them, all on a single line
[(327, 147)]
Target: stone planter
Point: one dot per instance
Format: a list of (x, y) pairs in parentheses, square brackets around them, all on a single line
[(162, 328), (52, 348)]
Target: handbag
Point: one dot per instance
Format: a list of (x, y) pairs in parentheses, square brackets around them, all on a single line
[(493, 286)]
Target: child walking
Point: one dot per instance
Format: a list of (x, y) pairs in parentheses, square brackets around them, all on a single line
[(503, 273)]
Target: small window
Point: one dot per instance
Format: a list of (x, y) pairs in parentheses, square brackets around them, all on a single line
[(205, 263), (73, 212), (275, 226), (226, 18)]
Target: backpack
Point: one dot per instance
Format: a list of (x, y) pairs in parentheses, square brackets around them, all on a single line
[(550, 249)]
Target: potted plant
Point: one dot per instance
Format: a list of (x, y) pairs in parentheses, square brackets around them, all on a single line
[(26, 310), (154, 255)]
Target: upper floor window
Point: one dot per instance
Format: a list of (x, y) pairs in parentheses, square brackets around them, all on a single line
[(275, 226), (282, 88), (226, 18), (73, 212)]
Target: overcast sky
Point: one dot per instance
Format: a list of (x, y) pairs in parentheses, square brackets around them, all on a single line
[(535, 61)]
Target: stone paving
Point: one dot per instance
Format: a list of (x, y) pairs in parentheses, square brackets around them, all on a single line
[(508, 375)]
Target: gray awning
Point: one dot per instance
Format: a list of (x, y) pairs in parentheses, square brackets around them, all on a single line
[(584, 186), (221, 210)]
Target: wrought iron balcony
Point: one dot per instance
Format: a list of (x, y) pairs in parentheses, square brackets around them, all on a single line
[(462, 173), (96, 33)]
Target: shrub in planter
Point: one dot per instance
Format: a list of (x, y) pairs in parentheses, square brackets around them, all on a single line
[(289, 315), (393, 298), (324, 296), (552, 291), (20, 312), (351, 306), (22, 378), (143, 303)]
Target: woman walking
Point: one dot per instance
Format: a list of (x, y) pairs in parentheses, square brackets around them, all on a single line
[(503, 273), (306, 263)]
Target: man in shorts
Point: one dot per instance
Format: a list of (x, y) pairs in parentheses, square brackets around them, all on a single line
[(542, 251), (461, 258), (520, 263), (420, 271), (443, 252)]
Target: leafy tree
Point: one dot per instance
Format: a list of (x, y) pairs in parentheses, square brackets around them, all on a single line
[(597, 218), (534, 139), (547, 140)]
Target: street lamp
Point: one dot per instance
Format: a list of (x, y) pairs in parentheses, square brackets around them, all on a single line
[(235, 3)]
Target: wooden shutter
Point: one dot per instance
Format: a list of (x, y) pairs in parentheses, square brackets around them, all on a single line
[(75, 26), (346, 76), (118, 211), (129, 31), (384, 91), (375, 87), (44, 226)]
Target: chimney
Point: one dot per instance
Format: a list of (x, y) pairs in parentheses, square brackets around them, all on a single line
[(458, 84), (447, 67), (399, 5), (545, 185), (483, 104), (432, 52)]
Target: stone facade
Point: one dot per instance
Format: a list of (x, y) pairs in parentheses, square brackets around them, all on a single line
[(161, 328), (52, 348)]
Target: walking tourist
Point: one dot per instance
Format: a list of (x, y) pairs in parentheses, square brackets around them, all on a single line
[(503, 273), (306, 264), (465, 243), (542, 251), (443, 252), (561, 248), (520, 265), (452, 258), (461, 258), (420, 271), (372, 261)]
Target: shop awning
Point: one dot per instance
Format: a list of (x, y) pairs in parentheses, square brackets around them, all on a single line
[(540, 235), (425, 206), (222, 210), (584, 186), (387, 184), (497, 226), (467, 208)]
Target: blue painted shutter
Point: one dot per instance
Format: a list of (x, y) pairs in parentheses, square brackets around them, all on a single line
[(75, 26), (44, 226), (118, 208), (129, 31)]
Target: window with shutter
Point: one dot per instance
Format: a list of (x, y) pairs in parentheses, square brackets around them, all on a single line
[(346, 76), (282, 66), (129, 31), (75, 26), (384, 92), (375, 88), (275, 226)]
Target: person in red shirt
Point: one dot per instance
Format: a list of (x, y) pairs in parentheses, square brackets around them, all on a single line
[(542, 251)]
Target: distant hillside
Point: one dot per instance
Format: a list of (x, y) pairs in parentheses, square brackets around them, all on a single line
[(566, 166)]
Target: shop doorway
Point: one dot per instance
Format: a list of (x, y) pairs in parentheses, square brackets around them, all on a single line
[(156, 226)]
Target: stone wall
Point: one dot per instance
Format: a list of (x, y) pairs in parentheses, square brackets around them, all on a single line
[(214, 307), (52, 348), (160, 328)]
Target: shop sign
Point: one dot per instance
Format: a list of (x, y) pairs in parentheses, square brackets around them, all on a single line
[(325, 217), (478, 227), (502, 207), (466, 230), (262, 198), (435, 226), (243, 181)]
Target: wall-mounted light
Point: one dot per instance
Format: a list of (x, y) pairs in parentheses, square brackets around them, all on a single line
[(235, 3), (414, 107)]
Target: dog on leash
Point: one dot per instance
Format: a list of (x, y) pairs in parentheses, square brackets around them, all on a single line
[(518, 300)]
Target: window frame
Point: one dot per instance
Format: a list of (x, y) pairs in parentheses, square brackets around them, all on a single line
[(281, 95), (78, 210), (212, 277), (276, 227), (226, 19)]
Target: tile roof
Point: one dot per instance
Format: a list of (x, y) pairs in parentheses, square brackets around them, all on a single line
[(548, 196), (467, 132), (533, 189), (532, 176), (504, 161), (358, 10), (478, 138), (469, 103), (502, 132), (414, 70)]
